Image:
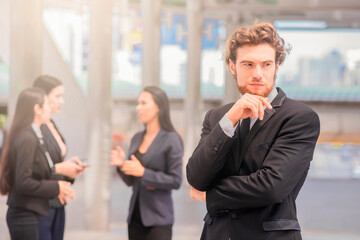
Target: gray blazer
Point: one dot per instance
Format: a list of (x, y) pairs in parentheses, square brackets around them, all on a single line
[(163, 172)]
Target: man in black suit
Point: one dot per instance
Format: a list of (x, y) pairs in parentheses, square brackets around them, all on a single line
[(254, 154)]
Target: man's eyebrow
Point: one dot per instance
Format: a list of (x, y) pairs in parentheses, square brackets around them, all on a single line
[(246, 61), (268, 61), (250, 61)]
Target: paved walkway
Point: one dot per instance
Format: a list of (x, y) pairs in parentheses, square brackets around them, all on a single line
[(328, 210)]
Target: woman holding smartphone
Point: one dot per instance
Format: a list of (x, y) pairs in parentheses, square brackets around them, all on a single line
[(154, 168), (52, 227), (25, 168)]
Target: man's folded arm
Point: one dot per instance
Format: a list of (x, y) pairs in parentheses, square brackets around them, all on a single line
[(209, 156), (283, 169)]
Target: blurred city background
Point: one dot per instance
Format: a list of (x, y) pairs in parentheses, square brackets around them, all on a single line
[(106, 51)]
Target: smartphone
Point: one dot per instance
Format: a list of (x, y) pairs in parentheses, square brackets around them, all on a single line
[(84, 162)]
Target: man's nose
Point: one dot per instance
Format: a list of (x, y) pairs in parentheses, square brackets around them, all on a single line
[(257, 72)]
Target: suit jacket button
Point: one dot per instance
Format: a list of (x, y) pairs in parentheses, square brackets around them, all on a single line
[(234, 216), (216, 149)]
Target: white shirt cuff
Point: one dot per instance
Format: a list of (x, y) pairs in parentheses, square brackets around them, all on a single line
[(227, 126)]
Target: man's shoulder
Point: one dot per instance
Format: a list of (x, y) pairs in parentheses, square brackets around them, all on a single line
[(296, 105), (221, 110), (214, 115), (295, 108)]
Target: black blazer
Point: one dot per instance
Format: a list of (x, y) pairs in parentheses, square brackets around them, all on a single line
[(251, 192), (51, 144), (54, 150), (163, 172), (31, 185)]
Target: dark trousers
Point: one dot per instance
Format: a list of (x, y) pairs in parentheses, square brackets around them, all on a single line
[(52, 227), (23, 224), (137, 231)]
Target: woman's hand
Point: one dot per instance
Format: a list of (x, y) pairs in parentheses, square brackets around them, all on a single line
[(70, 168), (65, 192), (197, 195), (117, 157), (133, 167)]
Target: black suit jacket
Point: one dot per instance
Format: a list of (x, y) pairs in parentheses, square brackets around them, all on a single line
[(52, 146), (31, 185), (163, 172), (251, 192)]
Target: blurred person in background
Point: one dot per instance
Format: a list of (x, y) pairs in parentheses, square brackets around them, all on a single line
[(1, 136), (254, 154), (26, 168), (52, 227), (154, 168), (2, 130)]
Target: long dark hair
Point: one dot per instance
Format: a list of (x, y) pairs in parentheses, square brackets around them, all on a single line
[(23, 117), (162, 102), (47, 83)]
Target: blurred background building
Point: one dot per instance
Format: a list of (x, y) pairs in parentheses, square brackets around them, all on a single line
[(106, 51)]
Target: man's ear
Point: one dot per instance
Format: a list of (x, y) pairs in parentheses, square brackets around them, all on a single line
[(232, 67)]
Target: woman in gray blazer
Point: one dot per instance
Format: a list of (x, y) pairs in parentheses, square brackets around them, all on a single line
[(154, 168)]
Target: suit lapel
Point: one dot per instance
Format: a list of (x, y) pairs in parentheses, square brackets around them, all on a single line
[(135, 144), (268, 113), (56, 144), (42, 150), (235, 149), (153, 148)]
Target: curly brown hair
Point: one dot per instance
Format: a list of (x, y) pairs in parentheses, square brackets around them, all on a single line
[(256, 34)]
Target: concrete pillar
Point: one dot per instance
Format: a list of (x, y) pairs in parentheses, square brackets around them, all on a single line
[(26, 46), (5, 31), (150, 11), (97, 177), (72, 121), (231, 91), (194, 16)]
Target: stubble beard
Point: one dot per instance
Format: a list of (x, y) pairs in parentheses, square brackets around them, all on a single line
[(244, 89)]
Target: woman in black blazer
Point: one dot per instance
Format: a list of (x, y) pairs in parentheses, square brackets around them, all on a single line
[(52, 227), (154, 168), (25, 167)]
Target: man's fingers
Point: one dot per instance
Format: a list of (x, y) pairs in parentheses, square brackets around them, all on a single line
[(256, 104), (266, 102), (261, 112)]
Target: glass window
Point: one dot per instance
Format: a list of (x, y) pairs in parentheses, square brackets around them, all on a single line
[(127, 53), (70, 32), (4, 80), (212, 59), (324, 65), (173, 55)]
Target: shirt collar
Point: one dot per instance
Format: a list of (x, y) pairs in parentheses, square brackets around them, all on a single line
[(273, 94), (271, 97)]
